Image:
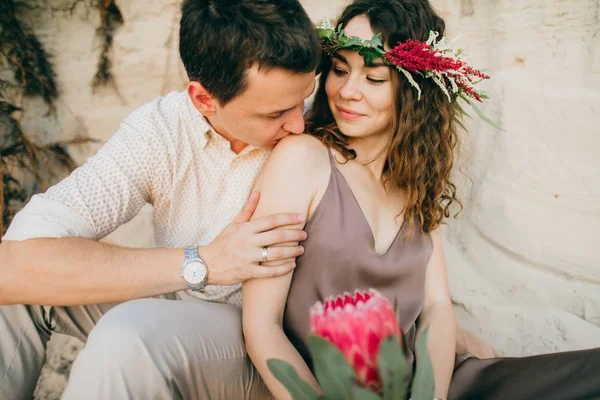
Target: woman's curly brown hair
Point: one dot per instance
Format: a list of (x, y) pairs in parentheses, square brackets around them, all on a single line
[(421, 150)]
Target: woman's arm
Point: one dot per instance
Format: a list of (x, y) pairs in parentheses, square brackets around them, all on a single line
[(288, 182), (437, 314)]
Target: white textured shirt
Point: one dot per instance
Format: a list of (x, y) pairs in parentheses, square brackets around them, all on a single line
[(166, 154)]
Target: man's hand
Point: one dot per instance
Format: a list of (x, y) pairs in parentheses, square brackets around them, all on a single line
[(235, 255), (467, 342)]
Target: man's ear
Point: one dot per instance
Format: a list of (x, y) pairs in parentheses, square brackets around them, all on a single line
[(201, 99)]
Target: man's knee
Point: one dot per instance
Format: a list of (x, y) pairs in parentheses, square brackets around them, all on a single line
[(191, 332), (195, 349), (117, 337)]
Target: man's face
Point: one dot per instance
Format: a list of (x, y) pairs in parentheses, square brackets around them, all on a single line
[(268, 110)]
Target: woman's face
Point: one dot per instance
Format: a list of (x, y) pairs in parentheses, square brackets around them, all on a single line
[(360, 98)]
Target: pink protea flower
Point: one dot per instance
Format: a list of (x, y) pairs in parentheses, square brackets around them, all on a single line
[(356, 324)]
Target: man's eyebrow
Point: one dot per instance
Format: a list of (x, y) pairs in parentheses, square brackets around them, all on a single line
[(374, 64)]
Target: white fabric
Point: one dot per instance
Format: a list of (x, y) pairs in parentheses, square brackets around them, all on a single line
[(165, 153)]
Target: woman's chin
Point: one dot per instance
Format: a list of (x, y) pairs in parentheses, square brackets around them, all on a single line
[(351, 131)]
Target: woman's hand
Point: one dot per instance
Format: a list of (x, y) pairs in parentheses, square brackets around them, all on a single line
[(468, 342)]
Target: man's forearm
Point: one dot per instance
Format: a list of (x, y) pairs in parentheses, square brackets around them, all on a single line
[(75, 271)]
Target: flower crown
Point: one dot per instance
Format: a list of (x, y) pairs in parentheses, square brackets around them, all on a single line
[(435, 59)]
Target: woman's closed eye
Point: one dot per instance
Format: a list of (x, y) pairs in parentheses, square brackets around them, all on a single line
[(339, 71), (376, 81), (371, 79)]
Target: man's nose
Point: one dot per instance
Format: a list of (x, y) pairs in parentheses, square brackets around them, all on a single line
[(295, 121)]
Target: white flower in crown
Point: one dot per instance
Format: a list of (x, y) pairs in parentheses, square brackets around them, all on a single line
[(326, 24)]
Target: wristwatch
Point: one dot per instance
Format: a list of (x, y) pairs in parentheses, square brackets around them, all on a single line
[(194, 271)]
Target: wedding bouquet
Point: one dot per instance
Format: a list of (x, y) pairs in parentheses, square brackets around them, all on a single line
[(358, 353)]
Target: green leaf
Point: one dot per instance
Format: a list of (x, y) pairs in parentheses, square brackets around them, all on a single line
[(369, 54), (349, 42), (334, 374), (288, 377), (326, 33), (423, 385), (375, 41), (483, 94), (393, 369), (462, 110), (481, 114), (485, 118), (360, 393)]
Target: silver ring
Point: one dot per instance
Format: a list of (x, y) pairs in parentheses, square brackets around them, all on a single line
[(264, 254)]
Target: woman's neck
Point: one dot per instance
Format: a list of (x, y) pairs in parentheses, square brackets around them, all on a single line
[(371, 152)]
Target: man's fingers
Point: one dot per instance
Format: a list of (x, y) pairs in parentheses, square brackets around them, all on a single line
[(260, 271), (275, 221), (248, 210), (281, 253), (276, 236)]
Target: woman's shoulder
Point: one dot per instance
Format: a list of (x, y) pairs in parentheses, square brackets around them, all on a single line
[(296, 172), (301, 151)]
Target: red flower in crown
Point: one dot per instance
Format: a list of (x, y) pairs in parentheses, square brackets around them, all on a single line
[(356, 324), (421, 57)]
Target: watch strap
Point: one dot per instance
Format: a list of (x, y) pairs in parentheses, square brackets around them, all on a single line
[(191, 253)]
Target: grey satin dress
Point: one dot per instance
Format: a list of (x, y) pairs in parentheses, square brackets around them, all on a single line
[(340, 257)]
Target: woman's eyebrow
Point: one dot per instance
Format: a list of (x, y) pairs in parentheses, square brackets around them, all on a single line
[(377, 64), (340, 57), (374, 64)]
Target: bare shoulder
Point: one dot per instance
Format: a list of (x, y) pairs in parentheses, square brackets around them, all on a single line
[(298, 168), (304, 153)]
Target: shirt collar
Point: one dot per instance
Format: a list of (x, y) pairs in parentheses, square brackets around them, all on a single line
[(199, 123)]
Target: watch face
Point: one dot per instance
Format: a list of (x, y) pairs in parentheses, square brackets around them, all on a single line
[(194, 272)]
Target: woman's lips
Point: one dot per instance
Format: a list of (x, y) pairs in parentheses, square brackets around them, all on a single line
[(349, 114)]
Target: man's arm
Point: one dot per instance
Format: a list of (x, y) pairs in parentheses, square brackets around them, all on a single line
[(77, 271), (50, 256)]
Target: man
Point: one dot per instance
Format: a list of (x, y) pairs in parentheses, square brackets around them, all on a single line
[(194, 156)]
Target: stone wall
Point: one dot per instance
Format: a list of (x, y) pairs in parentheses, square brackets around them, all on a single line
[(522, 258), (523, 267)]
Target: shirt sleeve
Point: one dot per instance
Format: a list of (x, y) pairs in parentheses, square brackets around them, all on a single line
[(43, 217), (104, 193)]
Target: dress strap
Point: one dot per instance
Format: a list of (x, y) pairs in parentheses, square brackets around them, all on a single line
[(331, 159)]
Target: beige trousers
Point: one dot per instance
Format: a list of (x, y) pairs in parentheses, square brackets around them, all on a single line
[(167, 349), (164, 348)]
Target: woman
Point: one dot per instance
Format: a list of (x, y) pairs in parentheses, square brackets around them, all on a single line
[(373, 177)]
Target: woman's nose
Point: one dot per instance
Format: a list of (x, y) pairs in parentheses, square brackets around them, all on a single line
[(350, 90)]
